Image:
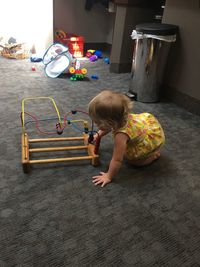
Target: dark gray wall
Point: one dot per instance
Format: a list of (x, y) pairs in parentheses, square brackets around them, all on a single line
[(127, 17), (95, 25), (183, 70)]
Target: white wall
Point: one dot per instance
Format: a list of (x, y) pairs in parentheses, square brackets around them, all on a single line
[(28, 21)]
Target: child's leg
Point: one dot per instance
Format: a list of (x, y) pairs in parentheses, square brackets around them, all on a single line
[(143, 162)]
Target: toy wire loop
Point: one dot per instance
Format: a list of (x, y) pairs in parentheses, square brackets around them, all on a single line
[(34, 98), (62, 122)]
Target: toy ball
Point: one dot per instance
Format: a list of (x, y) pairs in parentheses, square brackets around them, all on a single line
[(107, 60), (33, 68), (93, 58), (98, 53)]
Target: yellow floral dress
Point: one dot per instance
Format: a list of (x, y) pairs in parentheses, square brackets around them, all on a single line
[(145, 135)]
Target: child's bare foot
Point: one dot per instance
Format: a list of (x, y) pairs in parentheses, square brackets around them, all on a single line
[(153, 157), (147, 161)]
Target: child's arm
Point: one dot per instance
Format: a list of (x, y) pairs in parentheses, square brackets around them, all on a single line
[(116, 161), (100, 134)]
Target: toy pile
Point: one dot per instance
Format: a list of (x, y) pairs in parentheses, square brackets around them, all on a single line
[(14, 50), (93, 55)]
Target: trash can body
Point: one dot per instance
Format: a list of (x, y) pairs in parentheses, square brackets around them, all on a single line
[(149, 59)]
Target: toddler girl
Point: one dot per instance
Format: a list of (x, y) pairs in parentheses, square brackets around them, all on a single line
[(137, 137)]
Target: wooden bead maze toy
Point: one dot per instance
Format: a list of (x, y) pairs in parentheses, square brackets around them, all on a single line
[(86, 139)]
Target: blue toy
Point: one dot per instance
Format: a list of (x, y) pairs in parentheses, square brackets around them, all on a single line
[(35, 59), (107, 60), (98, 53), (94, 77)]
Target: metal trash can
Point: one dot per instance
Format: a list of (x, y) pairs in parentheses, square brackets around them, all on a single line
[(152, 44)]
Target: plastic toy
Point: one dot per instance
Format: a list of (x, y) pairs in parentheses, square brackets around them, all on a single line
[(93, 58), (35, 59), (76, 46), (98, 53), (94, 77), (88, 54), (60, 34), (93, 55), (77, 74), (86, 139), (91, 51), (107, 60), (73, 41)]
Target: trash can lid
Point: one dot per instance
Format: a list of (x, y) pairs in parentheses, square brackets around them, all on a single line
[(157, 28)]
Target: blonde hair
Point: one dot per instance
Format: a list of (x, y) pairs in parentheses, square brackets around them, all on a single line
[(110, 108)]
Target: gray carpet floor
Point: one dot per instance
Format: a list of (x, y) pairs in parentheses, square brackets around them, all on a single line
[(55, 216)]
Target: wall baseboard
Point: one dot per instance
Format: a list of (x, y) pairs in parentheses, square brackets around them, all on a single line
[(104, 47), (120, 67), (189, 103)]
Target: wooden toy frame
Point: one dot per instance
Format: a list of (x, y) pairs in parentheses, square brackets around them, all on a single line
[(27, 150)]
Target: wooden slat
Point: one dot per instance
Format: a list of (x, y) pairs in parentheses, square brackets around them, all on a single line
[(25, 148), (53, 160), (25, 152), (90, 148), (37, 140), (49, 149)]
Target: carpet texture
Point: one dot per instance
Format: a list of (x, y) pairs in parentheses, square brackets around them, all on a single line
[(55, 216)]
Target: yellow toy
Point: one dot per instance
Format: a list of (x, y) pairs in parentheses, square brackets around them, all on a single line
[(27, 150)]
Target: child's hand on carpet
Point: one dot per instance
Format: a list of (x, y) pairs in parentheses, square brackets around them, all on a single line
[(101, 179)]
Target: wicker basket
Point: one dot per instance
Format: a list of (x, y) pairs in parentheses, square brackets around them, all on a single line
[(14, 51)]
